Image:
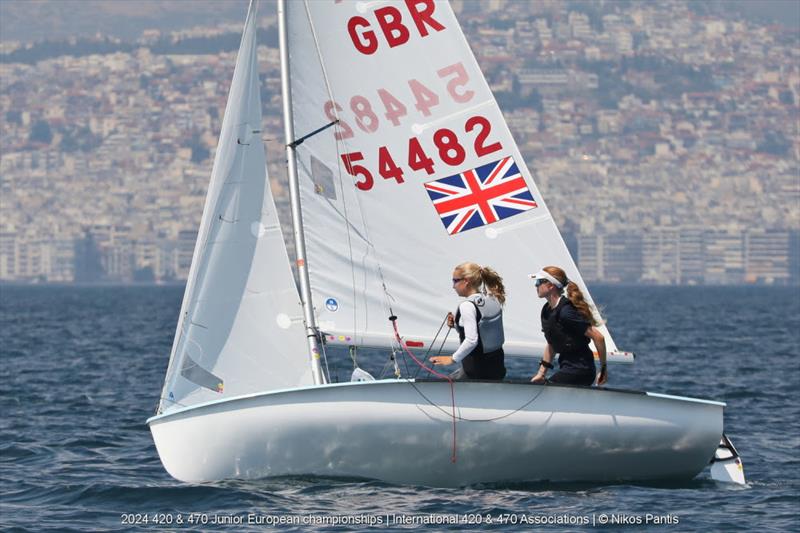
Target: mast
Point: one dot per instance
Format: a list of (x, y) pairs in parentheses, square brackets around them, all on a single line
[(294, 195)]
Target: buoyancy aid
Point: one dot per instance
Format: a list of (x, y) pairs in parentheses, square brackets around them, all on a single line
[(573, 348), (486, 360)]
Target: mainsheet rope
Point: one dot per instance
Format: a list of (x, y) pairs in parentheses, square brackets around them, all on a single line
[(450, 380), (433, 342)]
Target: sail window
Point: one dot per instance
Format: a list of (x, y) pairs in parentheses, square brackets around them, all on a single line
[(198, 375)]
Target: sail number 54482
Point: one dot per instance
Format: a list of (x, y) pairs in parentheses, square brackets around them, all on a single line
[(447, 145)]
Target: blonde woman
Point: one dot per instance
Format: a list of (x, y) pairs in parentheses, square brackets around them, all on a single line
[(479, 323), (568, 325)]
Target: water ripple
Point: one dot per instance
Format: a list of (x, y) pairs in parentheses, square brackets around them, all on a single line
[(82, 369)]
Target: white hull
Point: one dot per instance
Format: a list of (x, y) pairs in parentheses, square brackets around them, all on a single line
[(387, 430)]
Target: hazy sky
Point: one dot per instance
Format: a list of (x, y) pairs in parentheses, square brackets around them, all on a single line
[(30, 20), (784, 11)]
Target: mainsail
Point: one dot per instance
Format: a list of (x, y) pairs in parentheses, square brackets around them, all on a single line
[(438, 178), (238, 330)]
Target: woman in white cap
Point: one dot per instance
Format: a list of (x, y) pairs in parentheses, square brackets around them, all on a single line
[(479, 323), (568, 325)]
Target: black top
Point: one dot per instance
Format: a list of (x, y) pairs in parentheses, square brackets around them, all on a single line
[(565, 330)]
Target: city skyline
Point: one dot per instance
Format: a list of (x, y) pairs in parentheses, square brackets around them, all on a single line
[(681, 128)]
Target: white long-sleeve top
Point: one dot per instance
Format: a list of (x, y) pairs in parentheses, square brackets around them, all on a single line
[(469, 321)]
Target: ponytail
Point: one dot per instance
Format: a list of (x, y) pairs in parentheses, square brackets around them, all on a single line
[(574, 294), (494, 284), (477, 275)]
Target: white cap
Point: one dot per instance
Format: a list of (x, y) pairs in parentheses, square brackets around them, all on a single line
[(544, 275)]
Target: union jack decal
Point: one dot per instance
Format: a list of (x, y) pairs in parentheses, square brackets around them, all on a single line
[(480, 196)]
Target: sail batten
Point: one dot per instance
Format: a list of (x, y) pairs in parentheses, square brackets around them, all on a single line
[(420, 174)]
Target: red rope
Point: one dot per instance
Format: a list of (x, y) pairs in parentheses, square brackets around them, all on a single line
[(435, 373)]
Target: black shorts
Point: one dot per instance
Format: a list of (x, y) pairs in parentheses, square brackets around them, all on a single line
[(572, 379)]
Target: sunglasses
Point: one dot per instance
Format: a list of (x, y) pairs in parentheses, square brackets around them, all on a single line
[(540, 282), (456, 280)]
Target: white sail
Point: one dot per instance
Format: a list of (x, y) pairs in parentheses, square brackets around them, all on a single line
[(238, 331), (438, 178)]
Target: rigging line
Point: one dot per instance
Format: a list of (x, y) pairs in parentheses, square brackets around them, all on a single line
[(441, 346), (349, 229), (464, 419), (387, 296), (393, 319), (436, 336), (393, 352), (370, 246), (456, 417), (321, 342), (386, 365), (352, 351), (405, 363), (347, 225), (430, 346), (319, 56), (393, 357), (326, 79)]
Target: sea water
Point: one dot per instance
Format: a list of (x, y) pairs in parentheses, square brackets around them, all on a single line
[(82, 370)]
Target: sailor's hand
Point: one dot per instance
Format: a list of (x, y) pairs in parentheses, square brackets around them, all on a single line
[(451, 320), (540, 377), (602, 376), (441, 360)]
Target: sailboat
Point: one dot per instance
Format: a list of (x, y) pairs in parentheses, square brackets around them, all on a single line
[(400, 167)]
